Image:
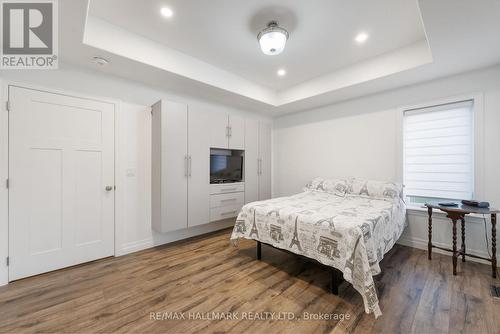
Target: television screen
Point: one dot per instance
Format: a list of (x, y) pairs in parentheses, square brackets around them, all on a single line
[(226, 168)]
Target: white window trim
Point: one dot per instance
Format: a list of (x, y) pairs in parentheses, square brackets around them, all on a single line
[(478, 128)]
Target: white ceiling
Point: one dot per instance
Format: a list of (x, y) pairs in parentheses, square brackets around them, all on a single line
[(223, 32), (461, 35)]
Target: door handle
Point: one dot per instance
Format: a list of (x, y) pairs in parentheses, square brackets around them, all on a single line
[(189, 166), (185, 166), (109, 188)]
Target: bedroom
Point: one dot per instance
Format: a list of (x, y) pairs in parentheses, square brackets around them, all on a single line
[(324, 129)]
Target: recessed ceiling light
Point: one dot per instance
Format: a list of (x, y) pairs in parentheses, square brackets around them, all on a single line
[(167, 12), (361, 37), (281, 72), (100, 61)]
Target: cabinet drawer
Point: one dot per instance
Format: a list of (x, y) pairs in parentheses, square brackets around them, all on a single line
[(224, 212), (224, 188), (226, 199)]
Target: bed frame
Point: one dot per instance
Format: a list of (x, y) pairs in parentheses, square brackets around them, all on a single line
[(337, 276)]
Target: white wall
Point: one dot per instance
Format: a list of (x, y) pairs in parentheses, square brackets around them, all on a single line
[(360, 138), (4, 227), (132, 151)]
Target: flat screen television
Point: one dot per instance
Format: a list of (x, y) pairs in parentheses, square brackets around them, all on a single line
[(226, 168)]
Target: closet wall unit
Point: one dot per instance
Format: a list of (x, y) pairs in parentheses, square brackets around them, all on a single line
[(182, 195), (226, 131), (257, 160)]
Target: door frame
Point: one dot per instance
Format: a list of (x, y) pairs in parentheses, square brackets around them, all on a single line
[(4, 161)]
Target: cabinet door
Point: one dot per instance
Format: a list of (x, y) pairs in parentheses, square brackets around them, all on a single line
[(199, 167), (237, 133), (265, 133), (172, 176), (217, 127), (251, 161)]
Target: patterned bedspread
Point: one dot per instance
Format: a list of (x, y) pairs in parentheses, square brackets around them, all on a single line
[(350, 233)]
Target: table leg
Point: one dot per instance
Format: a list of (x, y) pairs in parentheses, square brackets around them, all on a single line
[(429, 244), (454, 220), (494, 244), (463, 238)]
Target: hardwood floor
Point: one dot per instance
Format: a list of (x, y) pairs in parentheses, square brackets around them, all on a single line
[(208, 274)]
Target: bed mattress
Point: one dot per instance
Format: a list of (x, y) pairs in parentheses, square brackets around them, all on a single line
[(351, 233)]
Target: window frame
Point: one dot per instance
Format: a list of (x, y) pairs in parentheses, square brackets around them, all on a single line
[(478, 137)]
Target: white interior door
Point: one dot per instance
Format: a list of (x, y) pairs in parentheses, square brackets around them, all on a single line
[(265, 132), (251, 161), (237, 134), (199, 168), (61, 159)]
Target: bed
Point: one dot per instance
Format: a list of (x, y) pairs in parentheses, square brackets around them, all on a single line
[(345, 224)]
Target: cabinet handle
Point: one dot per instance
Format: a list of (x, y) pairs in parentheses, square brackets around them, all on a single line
[(189, 166), (227, 131), (230, 131), (228, 213), (185, 166), (228, 200)]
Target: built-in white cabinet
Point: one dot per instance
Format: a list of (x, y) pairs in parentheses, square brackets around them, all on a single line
[(199, 167), (169, 166), (252, 161), (218, 129), (257, 160), (264, 172), (226, 131), (180, 167), (182, 137), (236, 140), (226, 200)]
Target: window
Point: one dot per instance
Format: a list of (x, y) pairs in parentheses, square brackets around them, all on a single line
[(439, 152)]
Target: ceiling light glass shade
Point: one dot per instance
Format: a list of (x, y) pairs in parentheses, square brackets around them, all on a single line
[(273, 39)]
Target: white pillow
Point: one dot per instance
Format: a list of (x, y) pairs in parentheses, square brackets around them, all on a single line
[(374, 188), (331, 186)]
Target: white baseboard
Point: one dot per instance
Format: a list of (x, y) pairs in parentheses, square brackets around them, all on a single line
[(422, 244), (165, 238), (135, 246), (4, 280)]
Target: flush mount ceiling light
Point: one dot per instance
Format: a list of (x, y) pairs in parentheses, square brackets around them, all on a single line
[(167, 12), (272, 39), (281, 72)]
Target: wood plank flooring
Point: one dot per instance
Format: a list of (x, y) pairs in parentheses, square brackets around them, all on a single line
[(208, 274)]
